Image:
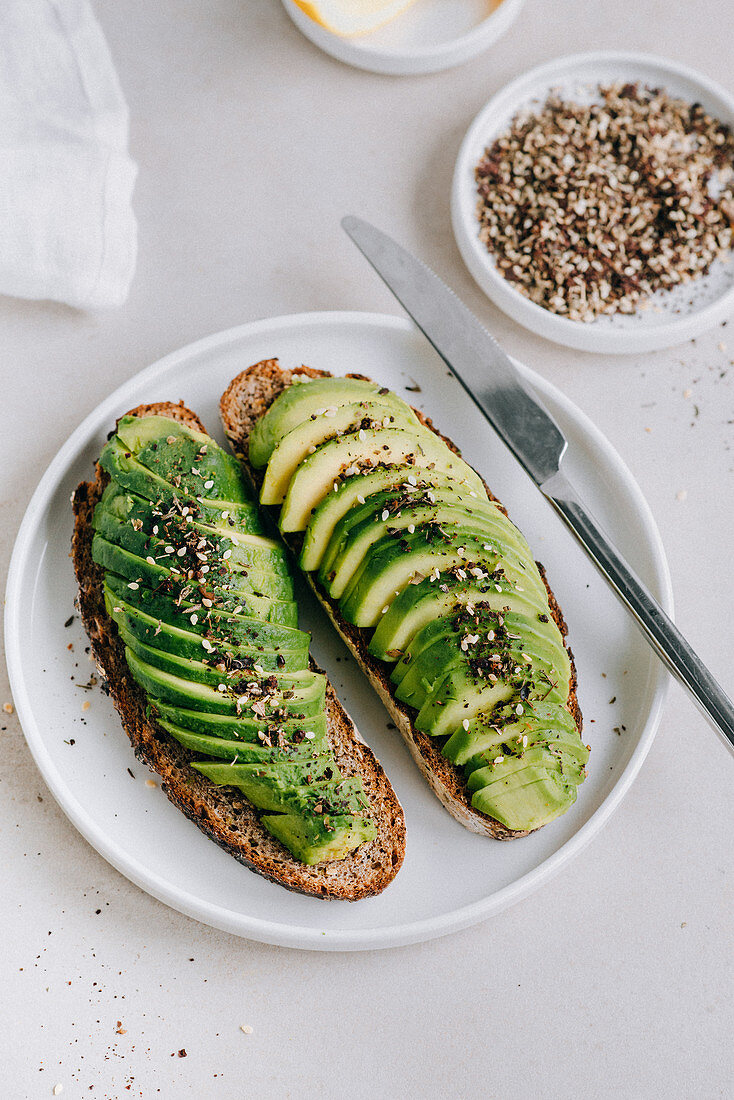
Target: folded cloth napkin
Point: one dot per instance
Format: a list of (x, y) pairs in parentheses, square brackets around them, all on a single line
[(67, 230)]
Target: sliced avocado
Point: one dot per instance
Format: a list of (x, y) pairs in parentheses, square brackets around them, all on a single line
[(486, 633), (509, 769), (160, 635), (485, 733), (207, 620), (246, 752), (189, 460), (216, 535), (344, 456), (395, 561), (258, 565), (315, 839), (225, 672), (349, 547), (355, 491), (138, 572), (280, 787), (305, 699), (422, 603), (302, 400), (303, 440), (246, 726), (527, 806), (130, 475)]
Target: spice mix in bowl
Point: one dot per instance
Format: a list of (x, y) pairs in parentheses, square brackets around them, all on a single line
[(594, 202)]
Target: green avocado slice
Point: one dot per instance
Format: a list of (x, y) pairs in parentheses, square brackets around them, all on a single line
[(245, 727), (186, 458), (529, 805), (138, 572), (356, 491), (304, 699), (302, 400), (423, 603), (130, 476), (486, 632), (359, 531), (302, 440), (220, 533), (234, 678), (207, 620), (180, 643), (317, 839), (260, 569), (487, 732), (321, 473), (511, 769), (393, 563), (245, 752)]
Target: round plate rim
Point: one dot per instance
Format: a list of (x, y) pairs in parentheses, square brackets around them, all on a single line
[(535, 318), (273, 932)]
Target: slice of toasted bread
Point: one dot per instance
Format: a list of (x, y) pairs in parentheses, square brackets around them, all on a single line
[(223, 813), (245, 400)]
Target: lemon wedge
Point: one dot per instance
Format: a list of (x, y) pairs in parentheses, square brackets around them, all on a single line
[(352, 17)]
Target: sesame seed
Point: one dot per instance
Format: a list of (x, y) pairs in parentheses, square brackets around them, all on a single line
[(150, 560), (498, 759), (150, 783), (226, 555), (519, 708), (360, 498), (86, 705), (181, 551), (208, 484), (309, 735), (170, 549), (385, 609), (134, 585), (465, 723), (385, 514), (246, 1027), (411, 528)]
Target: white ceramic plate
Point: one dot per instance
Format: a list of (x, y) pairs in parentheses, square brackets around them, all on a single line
[(674, 316), (451, 878), (428, 37)]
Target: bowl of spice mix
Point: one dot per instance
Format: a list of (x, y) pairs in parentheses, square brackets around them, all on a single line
[(593, 202)]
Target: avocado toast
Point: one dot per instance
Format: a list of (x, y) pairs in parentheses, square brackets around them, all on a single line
[(189, 608), (428, 582)]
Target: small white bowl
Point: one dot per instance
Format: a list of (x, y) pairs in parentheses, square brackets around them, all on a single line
[(674, 315), (430, 36)]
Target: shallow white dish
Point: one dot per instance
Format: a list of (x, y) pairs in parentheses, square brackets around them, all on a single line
[(451, 878), (674, 316), (431, 36)]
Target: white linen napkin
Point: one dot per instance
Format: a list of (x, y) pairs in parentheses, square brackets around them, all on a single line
[(67, 229)]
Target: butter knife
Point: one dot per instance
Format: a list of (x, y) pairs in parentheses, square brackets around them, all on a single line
[(520, 419)]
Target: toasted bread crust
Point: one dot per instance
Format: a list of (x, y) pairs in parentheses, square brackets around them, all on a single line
[(245, 400), (223, 813)]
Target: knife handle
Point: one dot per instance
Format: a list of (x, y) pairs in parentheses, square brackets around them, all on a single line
[(659, 629)]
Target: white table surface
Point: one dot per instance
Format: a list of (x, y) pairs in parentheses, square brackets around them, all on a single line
[(615, 979)]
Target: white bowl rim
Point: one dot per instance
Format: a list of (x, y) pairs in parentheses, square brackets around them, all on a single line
[(576, 334)]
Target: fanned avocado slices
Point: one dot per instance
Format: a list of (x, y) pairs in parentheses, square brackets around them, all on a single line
[(203, 602), (402, 534)]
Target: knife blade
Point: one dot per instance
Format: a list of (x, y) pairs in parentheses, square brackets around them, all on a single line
[(519, 417)]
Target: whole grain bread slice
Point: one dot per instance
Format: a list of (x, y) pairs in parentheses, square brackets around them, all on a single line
[(244, 401), (223, 813)]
